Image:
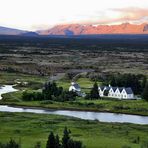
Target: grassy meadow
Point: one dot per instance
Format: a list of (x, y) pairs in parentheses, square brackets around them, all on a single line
[(27, 129)]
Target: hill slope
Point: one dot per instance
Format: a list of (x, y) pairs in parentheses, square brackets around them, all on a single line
[(77, 29), (10, 31)]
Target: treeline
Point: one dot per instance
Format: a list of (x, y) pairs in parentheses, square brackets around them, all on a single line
[(50, 91), (136, 82), (52, 142)]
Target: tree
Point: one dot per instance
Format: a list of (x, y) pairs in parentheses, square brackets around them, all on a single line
[(51, 141), (67, 141), (94, 94), (74, 144), (57, 142), (113, 81), (65, 138), (145, 92), (12, 144), (144, 80)]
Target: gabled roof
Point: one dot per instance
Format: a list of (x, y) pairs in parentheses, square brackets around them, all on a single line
[(102, 87), (76, 86), (114, 88), (107, 88), (128, 90), (120, 89)]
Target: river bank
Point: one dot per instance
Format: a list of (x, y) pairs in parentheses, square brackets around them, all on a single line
[(100, 116), (138, 107), (134, 107)]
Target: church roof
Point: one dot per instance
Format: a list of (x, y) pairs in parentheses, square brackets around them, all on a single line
[(76, 86)]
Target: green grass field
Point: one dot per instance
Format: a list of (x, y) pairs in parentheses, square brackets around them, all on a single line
[(30, 128)]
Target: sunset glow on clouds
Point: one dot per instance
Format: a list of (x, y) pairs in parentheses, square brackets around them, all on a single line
[(39, 14)]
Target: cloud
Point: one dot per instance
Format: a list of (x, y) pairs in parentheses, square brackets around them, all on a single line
[(122, 15), (132, 14)]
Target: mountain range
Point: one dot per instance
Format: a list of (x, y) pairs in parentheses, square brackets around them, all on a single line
[(78, 29), (11, 31)]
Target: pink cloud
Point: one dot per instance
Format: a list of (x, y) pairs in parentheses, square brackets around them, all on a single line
[(131, 14)]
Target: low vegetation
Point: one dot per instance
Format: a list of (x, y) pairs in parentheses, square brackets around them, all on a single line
[(52, 142), (50, 91), (33, 129)]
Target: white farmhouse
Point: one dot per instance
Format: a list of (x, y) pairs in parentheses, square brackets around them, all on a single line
[(116, 92)]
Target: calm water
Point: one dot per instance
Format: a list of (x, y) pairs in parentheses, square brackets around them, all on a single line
[(6, 89), (101, 116)]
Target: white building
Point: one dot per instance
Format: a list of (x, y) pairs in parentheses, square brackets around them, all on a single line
[(76, 88), (116, 92)]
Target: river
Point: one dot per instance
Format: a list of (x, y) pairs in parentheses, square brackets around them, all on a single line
[(86, 115), (6, 89), (100, 116)]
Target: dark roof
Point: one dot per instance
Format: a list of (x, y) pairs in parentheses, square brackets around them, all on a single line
[(120, 89), (76, 86), (114, 88), (102, 87), (128, 90), (107, 88)]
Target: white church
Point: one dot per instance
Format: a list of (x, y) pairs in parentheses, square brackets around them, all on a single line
[(116, 92), (75, 87)]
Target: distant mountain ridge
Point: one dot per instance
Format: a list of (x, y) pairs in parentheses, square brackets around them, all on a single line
[(11, 31), (77, 29)]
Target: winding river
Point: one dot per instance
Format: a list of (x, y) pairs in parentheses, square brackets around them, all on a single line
[(6, 89), (86, 115)]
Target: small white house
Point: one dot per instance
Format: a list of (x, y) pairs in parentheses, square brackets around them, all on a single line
[(76, 88), (116, 92)]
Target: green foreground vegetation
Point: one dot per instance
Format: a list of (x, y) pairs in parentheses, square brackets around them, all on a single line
[(28, 129)]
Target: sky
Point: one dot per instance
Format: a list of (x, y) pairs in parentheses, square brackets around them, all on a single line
[(42, 14)]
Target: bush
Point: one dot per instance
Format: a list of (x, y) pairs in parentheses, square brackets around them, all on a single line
[(10, 144), (67, 142)]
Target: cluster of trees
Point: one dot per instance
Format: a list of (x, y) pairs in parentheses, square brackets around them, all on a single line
[(50, 92), (10, 144), (94, 93), (66, 142), (52, 142), (136, 82)]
